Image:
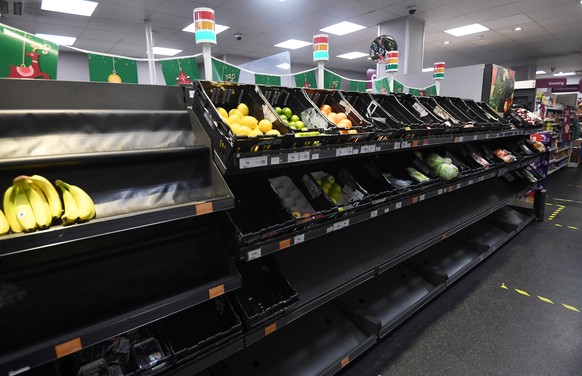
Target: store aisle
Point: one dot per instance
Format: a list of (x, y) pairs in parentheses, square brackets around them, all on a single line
[(483, 326)]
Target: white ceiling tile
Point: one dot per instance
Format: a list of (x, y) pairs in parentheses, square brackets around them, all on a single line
[(102, 35), (465, 6), (140, 4), (497, 13), (451, 23), (373, 18), (534, 5), (401, 8), (573, 8), (94, 45), (110, 25), (437, 14), (120, 13), (64, 30)]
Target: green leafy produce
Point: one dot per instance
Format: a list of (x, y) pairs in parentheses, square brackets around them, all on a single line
[(433, 160), (447, 171), (417, 175)]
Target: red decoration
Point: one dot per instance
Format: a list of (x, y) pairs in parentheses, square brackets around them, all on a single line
[(32, 71), (183, 79)]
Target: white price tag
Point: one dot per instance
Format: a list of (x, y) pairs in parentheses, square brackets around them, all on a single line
[(459, 186), (329, 229), (405, 144), (315, 156), (253, 162), (475, 137), (481, 178), (398, 205), (386, 210), (340, 152), (460, 139), (342, 224), (275, 160), (397, 145), (378, 148), (373, 213), (471, 182), (254, 254), (421, 197), (304, 156), (355, 151), (297, 239), (440, 192), (292, 157), (368, 149), (487, 136), (191, 93)]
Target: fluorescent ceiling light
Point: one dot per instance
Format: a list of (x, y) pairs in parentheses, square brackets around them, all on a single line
[(293, 44), (79, 7), (58, 39), (352, 55), (284, 66), (519, 28), (166, 51), (564, 74), (466, 30), (446, 42), (217, 28), (342, 28), (541, 72), (428, 69)]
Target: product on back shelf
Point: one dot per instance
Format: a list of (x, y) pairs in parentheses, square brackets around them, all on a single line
[(417, 175), (96, 368), (148, 354), (338, 193), (398, 183), (479, 159), (291, 196), (505, 155), (443, 167), (538, 146)]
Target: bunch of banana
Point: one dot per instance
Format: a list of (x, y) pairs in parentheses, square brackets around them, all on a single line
[(4, 226), (78, 204)]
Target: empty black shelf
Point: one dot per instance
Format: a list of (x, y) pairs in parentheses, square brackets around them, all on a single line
[(511, 218), (390, 299), (320, 343)]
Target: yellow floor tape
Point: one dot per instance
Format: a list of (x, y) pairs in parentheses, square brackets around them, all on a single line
[(543, 299)]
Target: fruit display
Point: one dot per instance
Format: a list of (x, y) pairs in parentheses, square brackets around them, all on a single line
[(505, 155), (242, 124), (292, 198), (341, 189), (340, 119), (32, 203), (443, 167), (294, 122)]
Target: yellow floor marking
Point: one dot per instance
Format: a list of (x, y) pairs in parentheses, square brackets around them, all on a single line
[(545, 299), (571, 308), (503, 286), (573, 228), (549, 204), (556, 212), (522, 292), (558, 225), (564, 200)]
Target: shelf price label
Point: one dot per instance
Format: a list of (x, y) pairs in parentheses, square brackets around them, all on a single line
[(373, 213), (471, 182), (405, 144), (254, 254), (459, 186), (253, 162), (285, 244), (421, 197), (69, 347), (297, 239), (459, 139), (345, 361), (270, 329), (304, 155), (204, 208), (216, 291), (396, 145), (368, 149), (275, 160), (341, 152), (501, 172), (342, 224), (475, 137), (398, 205), (315, 156), (292, 157)]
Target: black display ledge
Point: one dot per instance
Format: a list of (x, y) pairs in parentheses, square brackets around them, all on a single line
[(326, 268), (388, 206), (50, 350), (252, 161)]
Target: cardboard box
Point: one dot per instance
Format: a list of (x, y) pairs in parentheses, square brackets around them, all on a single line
[(575, 156)]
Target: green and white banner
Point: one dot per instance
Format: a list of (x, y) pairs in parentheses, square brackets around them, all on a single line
[(112, 69), (27, 56), (306, 79), (267, 79), (222, 71), (398, 87), (358, 86), (180, 71), (331, 80)]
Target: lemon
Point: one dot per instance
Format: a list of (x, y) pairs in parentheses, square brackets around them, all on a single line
[(243, 108), (255, 132), (249, 121), (272, 132), (232, 119), (236, 112), (241, 131), (265, 125), (222, 112)]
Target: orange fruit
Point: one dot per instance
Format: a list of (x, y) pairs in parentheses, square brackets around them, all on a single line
[(326, 109), (332, 117), (345, 123), (341, 116)]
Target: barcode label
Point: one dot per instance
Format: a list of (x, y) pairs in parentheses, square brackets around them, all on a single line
[(293, 157), (275, 160), (373, 213), (304, 156), (253, 162), (339, 225), (254, 254), (298, 239), (405, 144), (368, 149), (340, 152), (315, 156)]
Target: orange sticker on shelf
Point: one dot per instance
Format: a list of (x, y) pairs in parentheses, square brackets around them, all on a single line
[(69, 347), (284, 243), (270, 329), (216, 291), (415, 199), (345, 361), (415, 143), (204, 208)]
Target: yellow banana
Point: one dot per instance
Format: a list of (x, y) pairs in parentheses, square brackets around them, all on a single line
[(4, 226), (39, 205), (70, 215), (85, 205), (51, 194), (10, 210), (24, 211)]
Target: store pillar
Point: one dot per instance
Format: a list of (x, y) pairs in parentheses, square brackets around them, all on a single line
[(409, 34)]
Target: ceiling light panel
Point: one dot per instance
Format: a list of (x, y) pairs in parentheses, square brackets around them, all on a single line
[(58, 39), (541, 72), (78, 7), (342, 28), (352, 55), (561, 74), (217, 28), (166, 51), (466, 30), (293, 44)]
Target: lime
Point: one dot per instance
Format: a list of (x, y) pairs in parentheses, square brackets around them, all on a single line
[(295, 118), (318, 181), (278, 110), (304, 129), (292, 124), (287, 112), (299, 123), (284, 118), (330, 179)]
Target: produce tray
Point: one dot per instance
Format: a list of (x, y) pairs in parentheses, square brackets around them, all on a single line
[(514, 118), (314, 119), (468, 123), (430, 120), (452, 123), (209, 95), (385, 125), (372, 180), (258, 212), (264, 294), (485, 112), (193, 331), (414, 127), (333, 99)]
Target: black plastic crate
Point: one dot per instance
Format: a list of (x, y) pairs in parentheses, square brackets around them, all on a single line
[(430, 120), (194, 331), (487, 113), (394, 167), (414, 127), (209, 95), (467, 122), (265, 292), (258, 213), (522, 117), (372, 180), (312, 117), (460, 158), (333, 99), (452, 124), (385, 125)]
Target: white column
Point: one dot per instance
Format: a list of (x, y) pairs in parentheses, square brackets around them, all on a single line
[(150, 51), (320, 66), (207, 54)]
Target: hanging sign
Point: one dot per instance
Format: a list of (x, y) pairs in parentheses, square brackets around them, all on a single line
[(438, 72), (204, 25), (321, 47)]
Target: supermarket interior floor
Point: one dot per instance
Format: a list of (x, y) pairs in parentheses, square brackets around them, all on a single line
[(517, 313)]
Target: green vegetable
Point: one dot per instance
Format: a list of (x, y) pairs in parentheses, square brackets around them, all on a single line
[(417, 175), (447, 171)]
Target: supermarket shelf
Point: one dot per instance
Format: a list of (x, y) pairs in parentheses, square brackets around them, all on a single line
[(559, 159), (562, 149), (321, 343), (557, 169), (94, 307), (252, 161), (318, 280), (194, 366), (277, 244)]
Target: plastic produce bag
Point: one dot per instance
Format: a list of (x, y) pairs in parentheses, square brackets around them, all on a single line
[(417, 175), (447, 171)]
